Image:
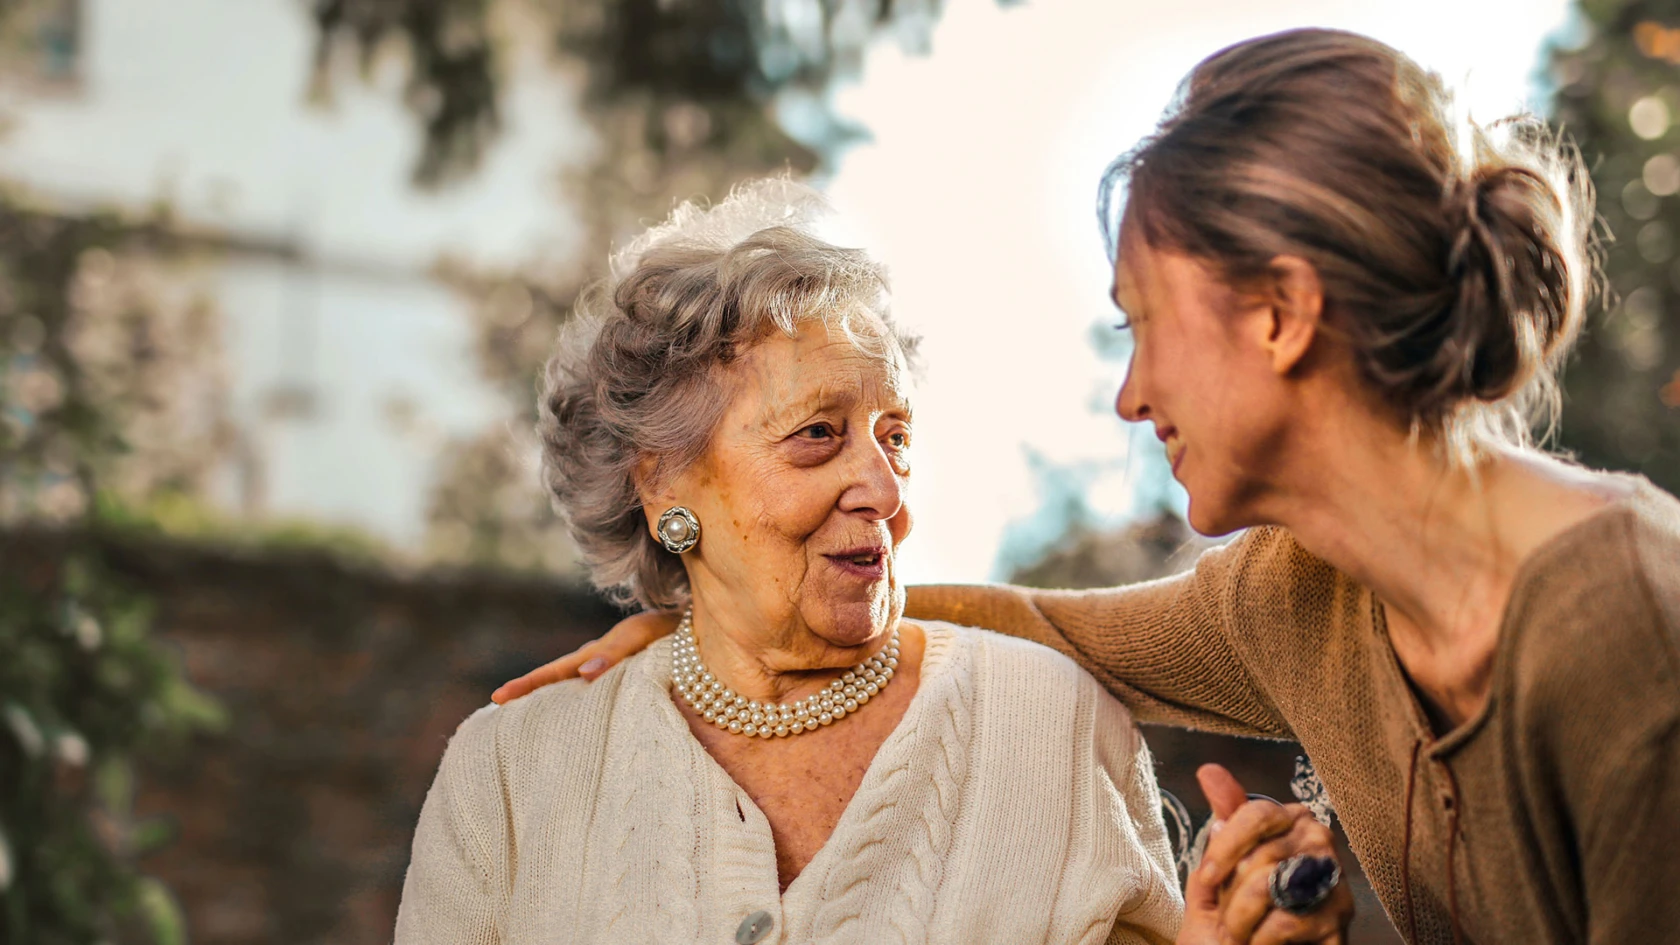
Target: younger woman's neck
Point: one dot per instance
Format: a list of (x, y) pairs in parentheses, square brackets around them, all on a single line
[(1439, 544), (1422, 533)]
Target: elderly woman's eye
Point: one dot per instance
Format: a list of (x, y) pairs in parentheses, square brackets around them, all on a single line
[(899, 439), (817, 431)]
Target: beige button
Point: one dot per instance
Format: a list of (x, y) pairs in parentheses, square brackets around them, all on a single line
[(754, 928)]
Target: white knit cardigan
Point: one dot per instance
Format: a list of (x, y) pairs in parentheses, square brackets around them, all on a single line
[(1014, 803)]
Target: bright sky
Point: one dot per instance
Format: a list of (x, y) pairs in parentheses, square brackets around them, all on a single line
[(979, 190)]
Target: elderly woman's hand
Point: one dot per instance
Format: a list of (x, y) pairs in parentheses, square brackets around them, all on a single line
[(1228, 896), (627, 638)]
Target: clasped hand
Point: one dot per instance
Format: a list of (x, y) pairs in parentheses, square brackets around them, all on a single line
[(1228, 899)]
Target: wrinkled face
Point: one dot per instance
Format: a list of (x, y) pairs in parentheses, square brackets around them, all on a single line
[(1200, 377), (801, 494)]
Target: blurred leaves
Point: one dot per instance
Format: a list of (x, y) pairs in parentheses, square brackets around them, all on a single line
[(111, 377), (39, 40), (699, 57), (1618, 94), (110, 385), (85, 692), (452, 79)]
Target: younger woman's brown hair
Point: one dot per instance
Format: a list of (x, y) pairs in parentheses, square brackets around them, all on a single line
[(1456, 259)]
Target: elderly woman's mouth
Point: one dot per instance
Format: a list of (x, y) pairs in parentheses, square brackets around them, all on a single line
[(863, 563)]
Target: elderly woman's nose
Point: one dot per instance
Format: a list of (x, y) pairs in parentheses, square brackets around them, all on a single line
[(875, 488)]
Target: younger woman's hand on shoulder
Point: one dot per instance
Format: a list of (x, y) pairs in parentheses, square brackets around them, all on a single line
[(628, 637), (1227, 898)]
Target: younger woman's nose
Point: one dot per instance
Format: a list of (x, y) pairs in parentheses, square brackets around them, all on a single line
[(1128, 404)]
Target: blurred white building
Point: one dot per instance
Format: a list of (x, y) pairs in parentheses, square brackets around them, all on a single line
[(349, 362)]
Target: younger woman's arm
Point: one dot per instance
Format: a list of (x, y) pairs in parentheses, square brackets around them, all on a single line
[(1163, 648)]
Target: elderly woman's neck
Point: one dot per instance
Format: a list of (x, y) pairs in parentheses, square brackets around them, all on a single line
[(773, 663)]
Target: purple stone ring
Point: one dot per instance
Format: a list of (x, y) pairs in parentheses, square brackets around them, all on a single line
[(1301, 883)]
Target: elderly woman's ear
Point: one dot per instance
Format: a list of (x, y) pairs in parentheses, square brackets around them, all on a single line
[(655, 495), (670, 522)]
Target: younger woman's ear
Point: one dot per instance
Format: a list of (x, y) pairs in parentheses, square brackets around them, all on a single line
[(1296, 296)]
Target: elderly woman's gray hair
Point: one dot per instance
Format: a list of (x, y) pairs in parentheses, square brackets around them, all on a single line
[(636, 371)]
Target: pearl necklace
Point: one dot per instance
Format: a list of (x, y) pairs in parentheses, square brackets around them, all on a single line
[(719, 705)]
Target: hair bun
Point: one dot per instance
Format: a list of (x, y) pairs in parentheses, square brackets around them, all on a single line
[(1514, 307)]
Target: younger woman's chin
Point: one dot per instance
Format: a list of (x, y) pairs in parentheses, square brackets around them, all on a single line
[(1213, 518)]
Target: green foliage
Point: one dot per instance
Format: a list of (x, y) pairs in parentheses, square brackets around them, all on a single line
[(83, 692), (1618, 94)]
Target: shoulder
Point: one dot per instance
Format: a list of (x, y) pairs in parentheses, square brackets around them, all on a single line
[(1007, 671), (1265, 574), (997, 655), (1596, 618), (1282, 595), (1271, 556), (1024, 694), (1652, 523), (1614, 576), (553, 736)]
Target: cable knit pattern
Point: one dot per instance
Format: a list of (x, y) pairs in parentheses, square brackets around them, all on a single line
[(909, 812), (1015, 802), (652, 857)]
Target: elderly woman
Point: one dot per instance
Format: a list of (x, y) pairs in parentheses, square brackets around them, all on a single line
[(727, 430)]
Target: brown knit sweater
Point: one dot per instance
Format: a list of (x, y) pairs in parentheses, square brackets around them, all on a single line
[(1553, 816)]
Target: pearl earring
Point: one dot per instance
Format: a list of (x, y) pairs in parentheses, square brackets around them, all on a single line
[(678, 529)]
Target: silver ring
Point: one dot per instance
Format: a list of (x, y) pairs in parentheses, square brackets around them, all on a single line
[(1301, 883)]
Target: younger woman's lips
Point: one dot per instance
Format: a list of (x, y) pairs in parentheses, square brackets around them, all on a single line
[(1175, 454)]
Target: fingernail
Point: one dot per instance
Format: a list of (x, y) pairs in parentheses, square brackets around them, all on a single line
[(595, 665), (1215, 826)]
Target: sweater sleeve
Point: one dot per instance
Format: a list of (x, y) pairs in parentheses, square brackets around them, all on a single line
[(1629, 866), (1163, 648), (452, 893), (1592, 664), (1626, 788), (1151, 912)]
